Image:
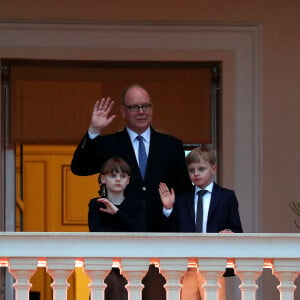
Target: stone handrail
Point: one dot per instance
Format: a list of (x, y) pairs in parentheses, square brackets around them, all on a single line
[(247, 253)]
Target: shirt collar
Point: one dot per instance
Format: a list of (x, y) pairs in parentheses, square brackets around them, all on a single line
[(208, 188), (145, 134)]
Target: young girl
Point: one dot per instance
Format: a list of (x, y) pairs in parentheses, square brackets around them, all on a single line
[(113, 211)]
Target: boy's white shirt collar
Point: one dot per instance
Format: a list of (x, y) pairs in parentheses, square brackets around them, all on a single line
[(206, 203), (208, 188)]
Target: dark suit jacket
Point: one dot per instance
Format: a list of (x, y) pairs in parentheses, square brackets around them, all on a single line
[(223, 211), (166, 163)]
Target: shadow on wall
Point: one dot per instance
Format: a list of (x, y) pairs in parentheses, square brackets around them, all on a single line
[(295, 206)]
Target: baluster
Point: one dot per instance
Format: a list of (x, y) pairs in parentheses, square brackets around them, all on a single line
[(134, 270), (97, 269), (173, 269), (211, 270), (286, 270), (22, 269), (60, 269), (248, 270)]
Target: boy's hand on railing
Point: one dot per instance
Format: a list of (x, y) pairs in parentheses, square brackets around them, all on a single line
[(226, 231)]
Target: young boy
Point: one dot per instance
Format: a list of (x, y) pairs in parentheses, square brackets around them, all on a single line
[(220, 206), (214, 210)]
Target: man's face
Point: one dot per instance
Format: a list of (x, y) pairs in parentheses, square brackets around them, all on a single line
[(139, 120)]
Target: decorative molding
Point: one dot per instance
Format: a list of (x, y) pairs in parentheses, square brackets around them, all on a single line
[(74, 206), (236, 46)]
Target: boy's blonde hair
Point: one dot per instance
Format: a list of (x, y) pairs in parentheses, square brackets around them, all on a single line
[(201, 153)]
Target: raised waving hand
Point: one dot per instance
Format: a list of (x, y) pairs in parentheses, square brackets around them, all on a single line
[(167, 196), (101, 117)]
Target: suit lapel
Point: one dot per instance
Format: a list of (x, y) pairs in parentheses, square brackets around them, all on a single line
[(216, 196), (190, 197), (154, 153)]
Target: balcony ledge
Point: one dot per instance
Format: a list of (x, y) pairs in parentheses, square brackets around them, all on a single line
[(162, 245)]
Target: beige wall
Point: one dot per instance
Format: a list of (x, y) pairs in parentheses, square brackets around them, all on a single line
[(280, 72)]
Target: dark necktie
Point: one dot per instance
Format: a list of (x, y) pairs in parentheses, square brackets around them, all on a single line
[(142, 156), (199, 218)]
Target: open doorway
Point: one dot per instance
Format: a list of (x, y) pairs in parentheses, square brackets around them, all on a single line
[(50, 104)]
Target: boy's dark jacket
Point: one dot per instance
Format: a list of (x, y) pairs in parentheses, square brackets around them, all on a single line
[(223, 212)]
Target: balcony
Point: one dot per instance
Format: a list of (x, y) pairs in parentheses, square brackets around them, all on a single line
[(60, 252)]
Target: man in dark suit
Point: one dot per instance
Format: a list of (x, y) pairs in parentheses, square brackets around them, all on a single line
[(165, 161), (165, 153)]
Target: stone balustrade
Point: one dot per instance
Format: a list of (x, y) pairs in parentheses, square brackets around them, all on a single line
[(59, 252)]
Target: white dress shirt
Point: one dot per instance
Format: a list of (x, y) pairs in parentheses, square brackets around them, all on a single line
[(135, 143), (205, 204)]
